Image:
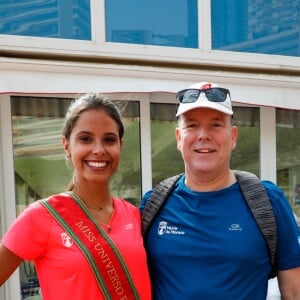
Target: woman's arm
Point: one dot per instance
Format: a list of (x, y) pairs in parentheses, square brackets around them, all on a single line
[(9, 262)]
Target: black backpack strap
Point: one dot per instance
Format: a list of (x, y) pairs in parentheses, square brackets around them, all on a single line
[(261, 209), (158, 196)]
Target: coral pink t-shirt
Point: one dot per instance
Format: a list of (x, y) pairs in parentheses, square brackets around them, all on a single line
[(63, 271)]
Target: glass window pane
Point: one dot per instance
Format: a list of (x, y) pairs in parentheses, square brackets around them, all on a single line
[(288, 155), (127, 182), (167, 160), (165, 23), (67, 19), (39, 160), (245, 156), (269, 27)]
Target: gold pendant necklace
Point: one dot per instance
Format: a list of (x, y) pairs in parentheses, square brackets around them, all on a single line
[(95, 208)]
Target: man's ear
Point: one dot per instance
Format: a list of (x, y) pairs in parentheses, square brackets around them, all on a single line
[(178, 138), (234, 136)]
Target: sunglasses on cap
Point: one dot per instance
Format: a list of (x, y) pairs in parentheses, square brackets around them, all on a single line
[(214, 94)]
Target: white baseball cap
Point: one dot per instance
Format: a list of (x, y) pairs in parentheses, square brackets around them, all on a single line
[(204, 94)]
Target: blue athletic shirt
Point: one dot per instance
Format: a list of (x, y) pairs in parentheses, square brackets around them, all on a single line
[(207, 245)]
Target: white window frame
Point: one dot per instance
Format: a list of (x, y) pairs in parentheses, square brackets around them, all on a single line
[(268, 144), (7, 191)]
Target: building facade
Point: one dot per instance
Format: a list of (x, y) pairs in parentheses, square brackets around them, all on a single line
[(140, 53)]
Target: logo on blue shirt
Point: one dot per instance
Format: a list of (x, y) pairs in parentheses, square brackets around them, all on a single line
[(235, 227), (164, 228)]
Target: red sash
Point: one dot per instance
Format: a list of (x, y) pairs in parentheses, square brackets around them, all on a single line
[(105, 260)]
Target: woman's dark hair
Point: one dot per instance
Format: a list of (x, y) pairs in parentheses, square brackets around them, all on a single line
[(87, 102)]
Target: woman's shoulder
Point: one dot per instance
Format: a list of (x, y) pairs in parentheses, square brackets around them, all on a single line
[(125, 204), (37, 210), (33, 208)]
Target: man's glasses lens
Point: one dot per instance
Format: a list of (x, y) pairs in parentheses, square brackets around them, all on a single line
[(213, 94)]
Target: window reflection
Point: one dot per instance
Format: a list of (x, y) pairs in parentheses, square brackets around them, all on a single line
[(165, 23), (288, 154), (68, 19), (246, 154), (166, 159), (39, 160), (270, 27)]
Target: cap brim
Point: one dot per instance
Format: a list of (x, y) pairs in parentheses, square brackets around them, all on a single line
[(185, 107)]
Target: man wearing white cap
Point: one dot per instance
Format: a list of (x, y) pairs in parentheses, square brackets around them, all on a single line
[(204, 243)]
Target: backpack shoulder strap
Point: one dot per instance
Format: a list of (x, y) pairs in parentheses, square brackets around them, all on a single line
[(261, 209), (158, 196)]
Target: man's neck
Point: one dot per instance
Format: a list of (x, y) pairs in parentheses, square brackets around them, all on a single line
[(206, 182)]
